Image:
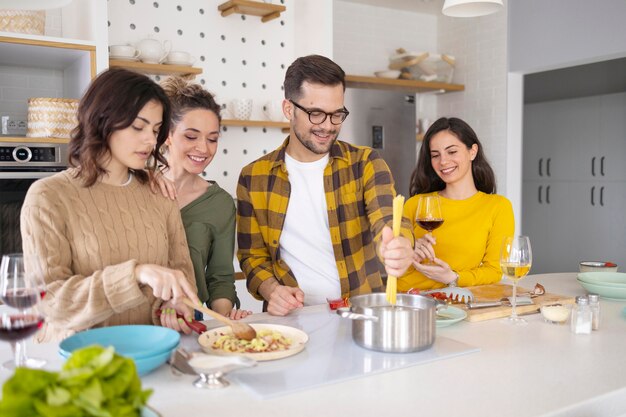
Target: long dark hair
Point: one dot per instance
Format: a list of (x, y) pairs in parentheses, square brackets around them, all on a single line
[(112, 102), (425, 180)]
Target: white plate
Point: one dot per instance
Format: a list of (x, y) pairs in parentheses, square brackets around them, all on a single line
[(123, 58), (297, 336), (455, 315), (184, 64)]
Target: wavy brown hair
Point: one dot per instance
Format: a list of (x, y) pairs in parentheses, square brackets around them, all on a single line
[(186, 96), (111, 103), (425, 180)]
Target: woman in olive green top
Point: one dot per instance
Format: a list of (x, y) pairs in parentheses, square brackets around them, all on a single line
[(208, 212)]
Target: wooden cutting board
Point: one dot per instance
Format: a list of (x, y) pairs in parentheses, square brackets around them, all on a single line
[(495, 292)]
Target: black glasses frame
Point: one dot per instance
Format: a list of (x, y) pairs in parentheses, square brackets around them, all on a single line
[(344, 114)]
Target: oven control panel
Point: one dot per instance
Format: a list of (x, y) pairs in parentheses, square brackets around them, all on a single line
[(36, 154)]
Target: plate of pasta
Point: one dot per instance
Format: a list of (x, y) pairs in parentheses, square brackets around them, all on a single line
[(273, 341)]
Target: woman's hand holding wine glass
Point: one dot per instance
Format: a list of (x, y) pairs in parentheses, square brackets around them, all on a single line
[(429, 218), (21, 292)]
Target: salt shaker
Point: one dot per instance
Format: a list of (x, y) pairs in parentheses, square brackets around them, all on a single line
[(581, 316), (594, 304)]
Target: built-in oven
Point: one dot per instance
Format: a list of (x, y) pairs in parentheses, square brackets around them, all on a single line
[(21, 164)]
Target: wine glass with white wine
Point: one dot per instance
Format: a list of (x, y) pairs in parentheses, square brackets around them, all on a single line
[(516, 259)]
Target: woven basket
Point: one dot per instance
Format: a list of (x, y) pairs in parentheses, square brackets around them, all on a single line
[(51, 117), (23, 21)]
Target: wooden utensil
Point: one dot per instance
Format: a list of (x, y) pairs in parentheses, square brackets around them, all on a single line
[(240, 330)]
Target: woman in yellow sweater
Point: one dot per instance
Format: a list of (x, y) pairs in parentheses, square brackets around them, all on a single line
[(112, 252), (465, 250)]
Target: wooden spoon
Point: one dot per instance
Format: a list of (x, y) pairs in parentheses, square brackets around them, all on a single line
[(240, 330)]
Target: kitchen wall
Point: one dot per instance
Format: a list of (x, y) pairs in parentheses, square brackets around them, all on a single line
[(365, 37), (240, 56)]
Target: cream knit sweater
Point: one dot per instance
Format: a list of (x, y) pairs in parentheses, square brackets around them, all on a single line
[(89, 240)]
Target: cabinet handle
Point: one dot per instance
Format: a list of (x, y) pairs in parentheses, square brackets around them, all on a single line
[(593, 166), (541, 167), (592, 192), (602, 196), (548, 194), (548, 167), (602, 166), (539, 194)]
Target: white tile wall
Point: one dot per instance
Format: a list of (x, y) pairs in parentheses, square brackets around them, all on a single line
[(18, 84), (366, 35), (241, 57), (479, 46)]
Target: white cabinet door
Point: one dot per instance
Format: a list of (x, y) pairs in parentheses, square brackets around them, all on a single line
[(614, 202), (538, 143)]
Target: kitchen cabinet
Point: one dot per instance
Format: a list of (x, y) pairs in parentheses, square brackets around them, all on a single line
[(574, 181), (156, 69)]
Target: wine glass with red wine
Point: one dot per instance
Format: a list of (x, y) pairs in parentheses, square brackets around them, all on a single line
[(428, 215), (22, 293)]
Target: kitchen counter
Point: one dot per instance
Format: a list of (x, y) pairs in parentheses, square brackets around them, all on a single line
[(534, 370)]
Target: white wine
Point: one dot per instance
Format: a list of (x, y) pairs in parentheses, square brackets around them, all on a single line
[(514, 270)]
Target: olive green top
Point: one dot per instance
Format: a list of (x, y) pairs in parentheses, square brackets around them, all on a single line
[(209, 223)]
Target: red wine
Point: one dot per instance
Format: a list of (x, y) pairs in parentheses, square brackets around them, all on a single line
[(20, 298), (430, 224), (19, 326)]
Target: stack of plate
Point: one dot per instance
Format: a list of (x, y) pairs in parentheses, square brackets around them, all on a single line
[(609, 285), (148, 346)]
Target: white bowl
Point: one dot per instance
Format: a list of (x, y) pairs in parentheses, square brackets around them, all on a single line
[(387, 74), (594, 266)]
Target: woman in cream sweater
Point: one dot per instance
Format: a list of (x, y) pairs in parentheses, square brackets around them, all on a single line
[(112, 251), (465, 250)]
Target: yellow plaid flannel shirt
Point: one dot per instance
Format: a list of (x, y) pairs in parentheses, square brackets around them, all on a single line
[(359, 193)]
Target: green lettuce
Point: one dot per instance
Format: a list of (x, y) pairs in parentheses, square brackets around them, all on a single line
[(94, 381)]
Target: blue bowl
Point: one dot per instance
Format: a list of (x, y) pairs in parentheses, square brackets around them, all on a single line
[(148, 346)]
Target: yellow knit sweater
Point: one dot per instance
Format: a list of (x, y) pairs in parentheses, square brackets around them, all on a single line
[(469, 239), (89, 241)]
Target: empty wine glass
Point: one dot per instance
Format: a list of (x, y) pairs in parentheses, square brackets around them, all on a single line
[(516, 259), (428, 215), (19, 291)]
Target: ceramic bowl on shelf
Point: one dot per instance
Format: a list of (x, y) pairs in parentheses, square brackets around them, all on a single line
[(594, 266), (241, 108), (387, 74), (179, 58)]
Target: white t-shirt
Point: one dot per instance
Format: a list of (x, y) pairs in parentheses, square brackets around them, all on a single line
[(305, 243)]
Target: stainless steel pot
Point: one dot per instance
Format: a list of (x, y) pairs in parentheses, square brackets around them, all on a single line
[(409, 326)]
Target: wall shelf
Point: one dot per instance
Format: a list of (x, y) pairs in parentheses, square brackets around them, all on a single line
[(156, 69), (266, 11), (376, 83), (284, 126)]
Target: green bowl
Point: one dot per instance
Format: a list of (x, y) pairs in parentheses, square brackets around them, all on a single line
[(604, 291), (610, 279)]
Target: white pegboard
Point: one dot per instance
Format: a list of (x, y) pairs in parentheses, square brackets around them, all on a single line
[(240, 57)]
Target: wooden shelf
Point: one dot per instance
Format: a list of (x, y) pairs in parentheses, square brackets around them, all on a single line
[(24, 139), (376, 83), (156, 69), (419, 137), (284, 126), (266, 11)]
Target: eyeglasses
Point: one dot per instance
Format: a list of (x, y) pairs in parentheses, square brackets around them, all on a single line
[(317, 117)]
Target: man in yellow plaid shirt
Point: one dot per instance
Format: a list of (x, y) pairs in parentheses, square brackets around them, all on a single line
[(315, 215)]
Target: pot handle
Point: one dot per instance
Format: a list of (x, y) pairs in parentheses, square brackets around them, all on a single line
[(347, 313)]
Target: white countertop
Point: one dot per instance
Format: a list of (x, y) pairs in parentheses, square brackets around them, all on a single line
[(535, 370)]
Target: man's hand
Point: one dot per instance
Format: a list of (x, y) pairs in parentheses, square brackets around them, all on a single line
[(281, 299), (396, 252)]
